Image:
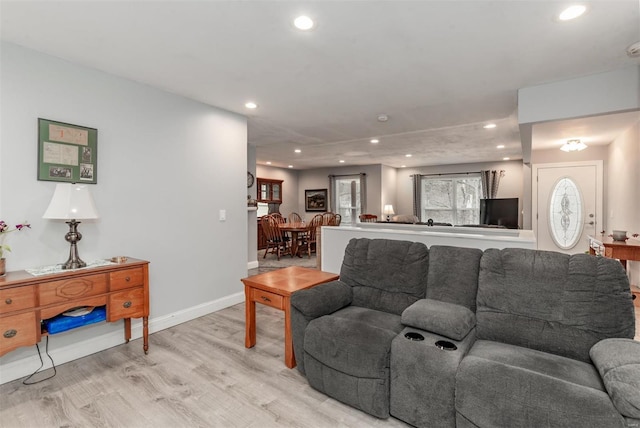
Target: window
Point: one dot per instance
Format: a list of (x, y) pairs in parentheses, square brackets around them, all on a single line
[(451, 199), (348, 196)]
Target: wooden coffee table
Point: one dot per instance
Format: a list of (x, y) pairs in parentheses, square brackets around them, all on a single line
[(274, 289)]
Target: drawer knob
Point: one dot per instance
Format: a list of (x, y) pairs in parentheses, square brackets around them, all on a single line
[(10, 333), (266, 299), (127, 279), (127, 304), (8, 301)]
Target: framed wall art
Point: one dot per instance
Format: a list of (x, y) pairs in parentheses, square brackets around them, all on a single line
[(67, 152), (315, 200)]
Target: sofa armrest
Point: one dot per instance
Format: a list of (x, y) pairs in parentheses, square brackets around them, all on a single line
[(322, 299), (443, 318), (618, 362)]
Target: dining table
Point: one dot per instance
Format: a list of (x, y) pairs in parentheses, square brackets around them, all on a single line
[(294, 229)]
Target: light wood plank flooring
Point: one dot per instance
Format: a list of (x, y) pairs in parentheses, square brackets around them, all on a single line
[(196, 374)]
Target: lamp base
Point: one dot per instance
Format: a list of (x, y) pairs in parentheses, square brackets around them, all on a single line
[(72, 237)]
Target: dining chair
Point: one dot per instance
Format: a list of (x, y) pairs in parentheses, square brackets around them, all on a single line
[(294, 218), (328, 218), (277, 242), (308, 244), (279, 217), (338, 220), (368, 218)]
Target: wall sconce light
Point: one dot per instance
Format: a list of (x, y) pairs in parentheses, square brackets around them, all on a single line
[(72, 202), (573, 146), (388, 211)]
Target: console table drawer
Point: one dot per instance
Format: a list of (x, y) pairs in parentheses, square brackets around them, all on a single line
[(269, 299), (126, 304), (15, 299), (125, 279), (18, 330), (71, 289)]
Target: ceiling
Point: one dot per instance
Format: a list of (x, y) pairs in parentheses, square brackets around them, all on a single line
[(440, 70)]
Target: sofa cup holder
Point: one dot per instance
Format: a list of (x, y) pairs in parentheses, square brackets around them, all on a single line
[(446, 345), (414, 336)]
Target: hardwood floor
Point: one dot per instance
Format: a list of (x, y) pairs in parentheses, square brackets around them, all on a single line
[(196, 374)]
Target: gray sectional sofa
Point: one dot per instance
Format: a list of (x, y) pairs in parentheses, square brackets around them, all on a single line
[(458, 337)]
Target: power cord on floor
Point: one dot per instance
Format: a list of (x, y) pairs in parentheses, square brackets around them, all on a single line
[(53, 366)]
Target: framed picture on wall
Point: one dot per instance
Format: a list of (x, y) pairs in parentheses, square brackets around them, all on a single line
[(67, 152), (315, 200)]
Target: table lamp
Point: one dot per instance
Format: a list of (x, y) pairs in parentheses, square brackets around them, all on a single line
[(72, 202), (388, 211)]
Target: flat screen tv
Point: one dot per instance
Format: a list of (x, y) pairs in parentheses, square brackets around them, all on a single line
[(499, 212)]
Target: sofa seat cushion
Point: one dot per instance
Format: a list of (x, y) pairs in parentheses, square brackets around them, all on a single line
[(353, 340), (498, 384)]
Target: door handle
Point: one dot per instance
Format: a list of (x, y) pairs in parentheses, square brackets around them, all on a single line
[(591, 223)]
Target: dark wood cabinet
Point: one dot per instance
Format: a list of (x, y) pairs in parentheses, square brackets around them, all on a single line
[(269, 190), (262, 240)]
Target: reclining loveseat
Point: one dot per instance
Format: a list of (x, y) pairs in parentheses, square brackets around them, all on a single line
[(458, 337)]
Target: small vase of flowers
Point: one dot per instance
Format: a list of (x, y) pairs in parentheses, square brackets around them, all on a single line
[(5, 229)]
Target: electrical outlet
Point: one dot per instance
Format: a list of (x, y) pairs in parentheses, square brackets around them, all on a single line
[(223, 215)]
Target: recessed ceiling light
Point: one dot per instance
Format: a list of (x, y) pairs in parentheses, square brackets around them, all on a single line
[(303, 23), (290, 166), (268, 162), (251, 105), (403, 166), (383, 117), (298, 151), (501, 146), (374, 141), (572, 12), (489, 126), (408, 155), (505, 158), (341, 161)]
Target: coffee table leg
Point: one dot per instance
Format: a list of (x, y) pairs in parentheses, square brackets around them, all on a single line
[(289, 357), (250, 319)]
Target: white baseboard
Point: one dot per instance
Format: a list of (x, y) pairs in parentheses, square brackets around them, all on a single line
[(25, 366), (253, 265)]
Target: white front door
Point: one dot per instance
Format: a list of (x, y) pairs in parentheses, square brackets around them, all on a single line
[(567, 205)]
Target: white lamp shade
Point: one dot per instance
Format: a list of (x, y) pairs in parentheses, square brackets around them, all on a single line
[(388, 210), (71, 202)]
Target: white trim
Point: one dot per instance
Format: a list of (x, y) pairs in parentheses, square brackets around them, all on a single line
[(25, 366), (598, 164), (253, 265)]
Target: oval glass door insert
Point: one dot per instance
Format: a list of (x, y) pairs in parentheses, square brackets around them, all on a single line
[(566, 213)]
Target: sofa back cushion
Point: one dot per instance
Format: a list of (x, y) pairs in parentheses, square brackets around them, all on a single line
[(385, 275), (552, 302), (453, 275)]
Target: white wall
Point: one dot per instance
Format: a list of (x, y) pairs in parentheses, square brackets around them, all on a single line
[(623, 189), (388, 188), (167, 165), (252, 218), (511, 185)]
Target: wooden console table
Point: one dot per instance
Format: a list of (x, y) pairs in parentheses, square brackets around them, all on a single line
[(26, 300), (622, 250)]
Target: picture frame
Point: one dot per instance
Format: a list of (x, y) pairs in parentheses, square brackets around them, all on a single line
[(316, 200), (67, 152)]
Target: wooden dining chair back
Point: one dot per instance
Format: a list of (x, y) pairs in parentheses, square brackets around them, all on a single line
[(368, 218), (277, 241), (308, 244), (294, 218), (328, 219), (338, 220), (279, 217)]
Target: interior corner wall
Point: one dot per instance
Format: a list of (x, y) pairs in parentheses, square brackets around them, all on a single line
[(289, 177), (623, 188), (388, 186), (252, 219), (167, 166)]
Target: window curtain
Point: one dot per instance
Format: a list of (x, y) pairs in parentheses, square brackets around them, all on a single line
[(333, 203), (363, 193), (417, 195), (490, 183)]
